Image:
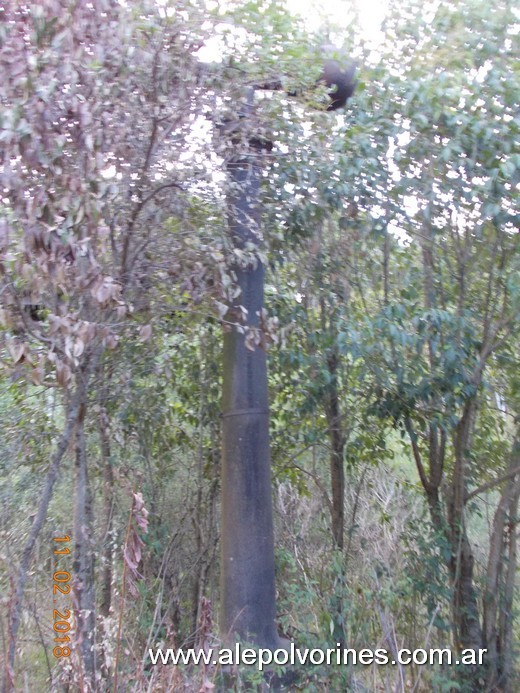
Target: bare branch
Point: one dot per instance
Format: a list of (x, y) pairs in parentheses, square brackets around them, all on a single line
[(492, 484)]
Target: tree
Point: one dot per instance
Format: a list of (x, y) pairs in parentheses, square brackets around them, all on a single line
[(455, 315), (88, 187), (133, 246)]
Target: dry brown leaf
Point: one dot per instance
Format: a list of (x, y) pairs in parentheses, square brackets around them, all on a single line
[(145, 333), (17, 351)]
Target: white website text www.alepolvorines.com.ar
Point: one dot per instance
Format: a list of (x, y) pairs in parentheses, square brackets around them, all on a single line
[(262, 657)]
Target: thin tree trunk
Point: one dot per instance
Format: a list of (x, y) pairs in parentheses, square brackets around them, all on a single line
[(39, 520), (465, 613), (386, 265), (108, 502), (107, 547), (199, 518), (337, 444), (499, 592), (204, 521), (506, 614), (468, 632), (84, 558)]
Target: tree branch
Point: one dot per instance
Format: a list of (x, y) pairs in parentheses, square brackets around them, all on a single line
[(491, 484), (417, 454)]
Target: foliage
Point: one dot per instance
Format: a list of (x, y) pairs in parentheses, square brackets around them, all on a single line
[(391, 249)]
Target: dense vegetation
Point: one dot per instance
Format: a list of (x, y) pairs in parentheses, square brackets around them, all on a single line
[(389, 237)]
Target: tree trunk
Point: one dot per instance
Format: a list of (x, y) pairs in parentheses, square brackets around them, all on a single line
[(247, 545), (465, 611), (84, 559), (337, 446), (498, 595), (39, 520), (506, 614), (468, 633), (108, 500), (107, 543)]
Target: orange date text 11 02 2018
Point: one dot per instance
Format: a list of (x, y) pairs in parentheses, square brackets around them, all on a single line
[(61, 619)]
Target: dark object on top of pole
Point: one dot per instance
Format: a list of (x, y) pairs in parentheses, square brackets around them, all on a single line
[(336, 74)]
